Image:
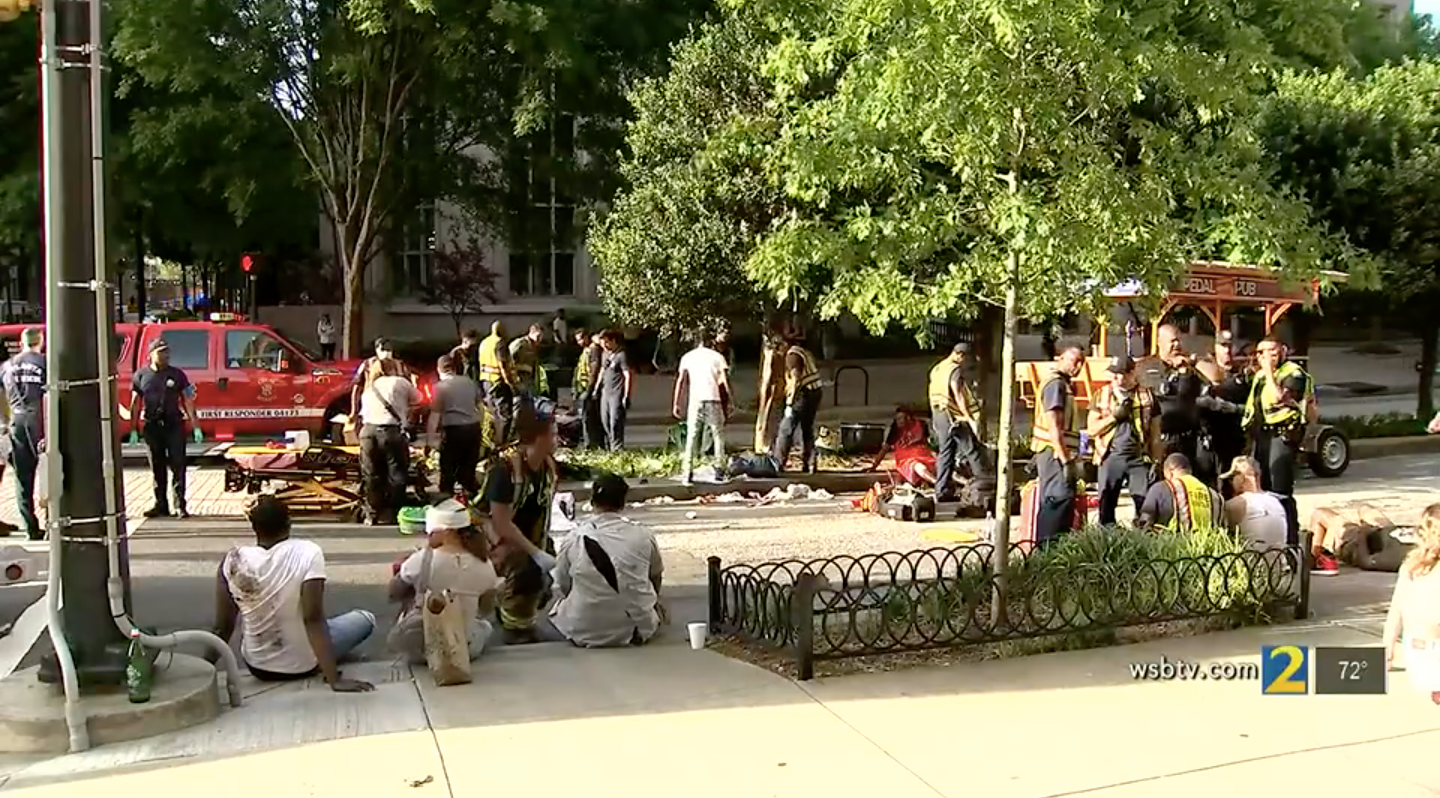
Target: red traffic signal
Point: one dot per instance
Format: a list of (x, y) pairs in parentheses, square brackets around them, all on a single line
[(246, 263)]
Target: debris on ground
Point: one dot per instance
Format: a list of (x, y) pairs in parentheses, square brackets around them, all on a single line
[(655, 500)]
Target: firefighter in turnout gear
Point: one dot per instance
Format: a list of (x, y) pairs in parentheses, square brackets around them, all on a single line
[(954, 419), (802, 402), (497, 381), (1125, 429), (1055, 442)]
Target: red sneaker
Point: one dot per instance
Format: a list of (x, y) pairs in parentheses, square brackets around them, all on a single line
[(1325, 564)]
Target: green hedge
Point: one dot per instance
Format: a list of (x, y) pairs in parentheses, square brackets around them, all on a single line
[(1385, 425)]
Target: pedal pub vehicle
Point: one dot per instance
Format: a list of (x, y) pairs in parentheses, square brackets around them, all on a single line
[(249, 380), (1217, 290)]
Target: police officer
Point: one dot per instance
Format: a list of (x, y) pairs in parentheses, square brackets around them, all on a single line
[(24, 378), (802, 402), (1125, 431), (454, 428), (1178, 395), (497, 381), (158, 392), (954, 418), (1279, 407), (1228, 386), (1055, 443)]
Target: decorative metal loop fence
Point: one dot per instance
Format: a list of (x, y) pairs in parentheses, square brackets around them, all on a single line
[(850, 606)]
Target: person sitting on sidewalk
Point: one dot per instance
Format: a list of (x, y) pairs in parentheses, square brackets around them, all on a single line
[(1180, 502), (608, 575), (275, 589), (1257, 514), (1362, 536), (456, 560), (909, 438)]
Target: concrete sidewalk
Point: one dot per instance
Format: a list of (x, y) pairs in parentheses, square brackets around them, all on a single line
[(665, 721)]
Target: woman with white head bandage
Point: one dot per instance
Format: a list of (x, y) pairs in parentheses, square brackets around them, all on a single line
[(455, 558)]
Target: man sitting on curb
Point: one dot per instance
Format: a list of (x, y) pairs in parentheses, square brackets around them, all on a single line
[(276, 590), (1180, 502), (608, 575), (1362, 536)]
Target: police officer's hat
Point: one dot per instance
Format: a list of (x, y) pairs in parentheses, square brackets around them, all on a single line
[(159, 345)]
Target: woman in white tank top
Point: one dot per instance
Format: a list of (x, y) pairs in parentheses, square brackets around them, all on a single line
[(1414, 617)]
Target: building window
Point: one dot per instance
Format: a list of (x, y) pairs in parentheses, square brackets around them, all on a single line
[(542, 256), (417, 259)]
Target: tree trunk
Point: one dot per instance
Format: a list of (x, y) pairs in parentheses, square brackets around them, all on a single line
[(1428, 349), (141, 294), (1000, 533)]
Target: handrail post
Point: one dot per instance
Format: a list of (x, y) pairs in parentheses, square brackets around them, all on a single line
[(1302, 606), (802, 615), (713, 579)]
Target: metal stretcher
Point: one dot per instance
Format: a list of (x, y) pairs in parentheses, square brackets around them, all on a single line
[(319, 479)]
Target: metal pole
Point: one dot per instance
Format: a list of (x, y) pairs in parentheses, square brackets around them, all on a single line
[(77, 508)]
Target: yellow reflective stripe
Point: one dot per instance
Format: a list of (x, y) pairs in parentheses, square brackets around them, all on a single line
[(1040, 426), (1193, 508)]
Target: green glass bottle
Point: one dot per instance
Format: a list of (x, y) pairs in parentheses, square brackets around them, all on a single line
[(139, 675)]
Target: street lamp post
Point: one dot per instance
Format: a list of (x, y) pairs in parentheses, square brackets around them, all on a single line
[(73, 89)]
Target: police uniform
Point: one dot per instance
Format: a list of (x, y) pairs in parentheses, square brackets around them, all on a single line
[(1222, 434), (1177, 398), (587, 394), (1278, 429), (161, 393), (1123, 443), (802, 403), (1055, 480), (497, 383), (24, 378), (948, 421)]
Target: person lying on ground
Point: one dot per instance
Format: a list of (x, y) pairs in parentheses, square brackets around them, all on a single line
[(1361, 535), (1414, 616), (909, 438), (1181, 502), (1258, 515), (608, 574), (275, 590), (455, 560)]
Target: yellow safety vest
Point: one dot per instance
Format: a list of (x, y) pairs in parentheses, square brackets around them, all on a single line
[(809, 374), (1193, 509), (940, 397), (1140, 415), (1040, 427), (492, 360), (582, 370), (1274, 414)]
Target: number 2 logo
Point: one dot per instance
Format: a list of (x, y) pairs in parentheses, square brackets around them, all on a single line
[(1284, 670)]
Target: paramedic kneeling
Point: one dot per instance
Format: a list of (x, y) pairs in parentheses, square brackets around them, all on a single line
[(608, 575), (1181, 503)]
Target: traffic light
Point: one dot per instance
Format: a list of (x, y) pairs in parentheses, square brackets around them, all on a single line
[(10, 10), (246, 262)]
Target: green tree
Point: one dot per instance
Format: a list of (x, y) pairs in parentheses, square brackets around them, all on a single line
[(1366, 155), (19, 150), (936, 158)]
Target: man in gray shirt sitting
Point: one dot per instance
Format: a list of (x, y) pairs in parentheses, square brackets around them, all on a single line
[(454, 428)]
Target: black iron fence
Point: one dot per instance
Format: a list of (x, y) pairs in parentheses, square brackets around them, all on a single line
[(945, 597)]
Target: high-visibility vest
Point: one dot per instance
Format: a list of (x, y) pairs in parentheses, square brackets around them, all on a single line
[(940, 396), (1194, 510), (1142, 410), (583, 377), (493, 356), (1040, 427), (1264, 394), (809, 378)]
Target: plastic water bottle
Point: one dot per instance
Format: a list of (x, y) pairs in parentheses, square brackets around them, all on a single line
[(139, 675)]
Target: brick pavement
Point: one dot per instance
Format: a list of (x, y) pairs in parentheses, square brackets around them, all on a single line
[(205, 486)]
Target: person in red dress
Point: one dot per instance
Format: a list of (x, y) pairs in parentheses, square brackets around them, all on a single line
[(909, 438)]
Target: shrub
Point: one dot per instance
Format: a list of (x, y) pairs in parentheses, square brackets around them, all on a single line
[(1385, 425)]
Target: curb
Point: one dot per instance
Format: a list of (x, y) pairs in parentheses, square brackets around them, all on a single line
[(1370, 448)]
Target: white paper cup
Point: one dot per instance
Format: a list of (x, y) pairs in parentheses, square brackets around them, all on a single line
[(698, 630)]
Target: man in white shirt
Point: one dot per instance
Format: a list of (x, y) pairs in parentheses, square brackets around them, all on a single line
[(608, 575), (275, 589), (703, 377), (386, 403), (1258, 515)]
